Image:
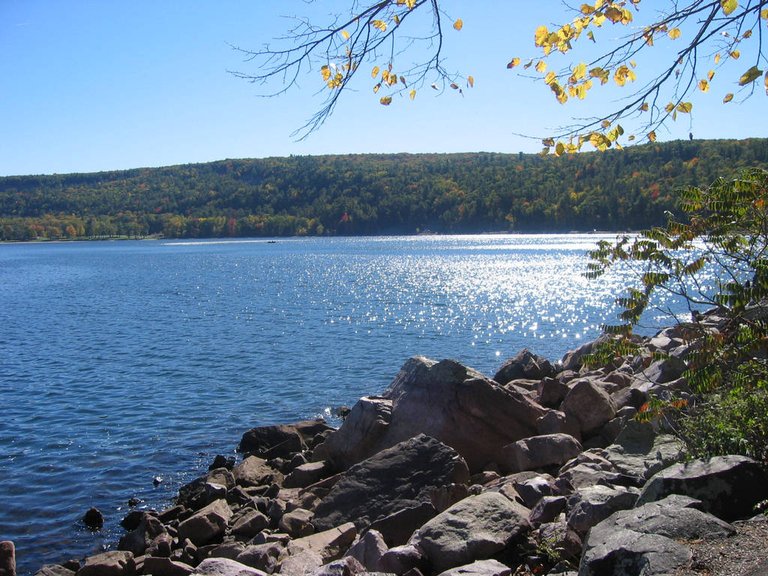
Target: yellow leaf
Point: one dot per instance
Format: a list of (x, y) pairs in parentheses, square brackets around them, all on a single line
[(380, 25), (559, 149), (684, 107), (605, 123), (652, 136), (548, 142), (344, 34), (710, 75), (591, 35), (675, 33), (717, 58), (377, 88), (410, 4), (579, 72), (728, 98), (735, 54), (549, 78), (750, 76), (514, 62), (747, 34), (613, 14), (764, 13), (729, 6), (325, 71), (396, 18), (703, 85), (471, 81), (631, 138), (375, 72), (766, 82), (541, 66), (623, 74), (540, 35), (386, 100), (669, 107), (643, 107), (412, 94), (458, 25)]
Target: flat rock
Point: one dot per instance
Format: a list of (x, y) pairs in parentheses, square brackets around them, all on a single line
[(254, 471), (475, 528), (166, 567), (394, 479), (642, 452), (589, 506), (329, 544), (479, 568)]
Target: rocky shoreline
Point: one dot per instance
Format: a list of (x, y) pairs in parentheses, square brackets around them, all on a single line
[(539, 470)]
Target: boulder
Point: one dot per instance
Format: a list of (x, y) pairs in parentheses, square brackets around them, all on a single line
[(397, 478), (445, 400), (640, 451), (589, 506), (225, 567), (50, 570), (138, 539), (476, 528), (539, 452), (264, 557), (7, 558), (402, 559), (643, 540), (250, 523), (398, 527), (727, 486), (282, 440), (347, 566), (166, 567), (207, 524), (297, 523), (479, 568), (302, 563), (307, 474), (369, 549), (254, 471), (93, 519), (524, 365), (329, 544), (589, 405), (112, 563), (547, 510)]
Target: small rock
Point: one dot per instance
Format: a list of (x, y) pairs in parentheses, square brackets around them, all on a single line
[(93, 519), (7, 558)]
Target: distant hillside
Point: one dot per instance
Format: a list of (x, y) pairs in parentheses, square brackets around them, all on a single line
[(373, 194)]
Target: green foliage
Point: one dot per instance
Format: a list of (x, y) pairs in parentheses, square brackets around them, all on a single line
[(380, 194), (725, 232)]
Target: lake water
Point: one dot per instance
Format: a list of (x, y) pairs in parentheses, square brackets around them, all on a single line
[(125, 361)]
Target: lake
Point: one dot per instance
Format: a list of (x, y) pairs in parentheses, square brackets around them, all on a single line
[(122, 362)]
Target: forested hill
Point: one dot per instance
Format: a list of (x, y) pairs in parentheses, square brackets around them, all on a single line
[(373, 194)]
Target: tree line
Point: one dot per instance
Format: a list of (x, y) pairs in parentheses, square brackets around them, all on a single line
[(371, 194)]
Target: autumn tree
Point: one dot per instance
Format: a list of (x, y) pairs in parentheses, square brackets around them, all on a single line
[(698, 39)]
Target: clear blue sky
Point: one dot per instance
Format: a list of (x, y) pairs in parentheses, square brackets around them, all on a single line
[(90, 85)]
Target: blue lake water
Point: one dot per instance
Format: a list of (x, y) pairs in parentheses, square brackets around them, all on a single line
[(124, 361)]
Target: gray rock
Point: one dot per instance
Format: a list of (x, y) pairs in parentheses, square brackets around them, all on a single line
[(398, 527), (547, 509), (445, 400), (394, 479), (589, 405), (589, 506), (330, 544), (402, 559), (137, 540), (206, 524), (476, 528), (112, 563), (728, 486), (551, 392), (51, 570), (524, 365), (225, 567), (533, 489), (302, 563), (306, 474), (539, 452), (250, 523), (254, 471), (264, 557), (166, 567), (641, 452), (343, 567), (297, 523), (283, 440), (643, 540), (369, 549), (479, 568)]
